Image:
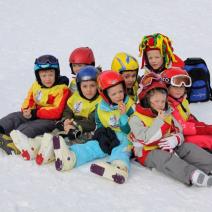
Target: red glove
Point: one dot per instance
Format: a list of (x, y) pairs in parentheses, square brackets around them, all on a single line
[(203, 129)]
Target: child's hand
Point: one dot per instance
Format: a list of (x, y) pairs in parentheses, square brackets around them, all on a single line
[(27, 113), (122, 107), (161, 114), (68, 124)]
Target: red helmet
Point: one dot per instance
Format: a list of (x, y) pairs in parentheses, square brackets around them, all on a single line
[(176, 77), (148, 82), (82, 55), (108, 79)]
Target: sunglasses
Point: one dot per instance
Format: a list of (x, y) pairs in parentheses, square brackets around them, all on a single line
[(46, 59), (149, 78), (179, 80)]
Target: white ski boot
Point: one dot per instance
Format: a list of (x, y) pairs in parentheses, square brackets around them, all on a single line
[(46, 151), (201, 179), (64, 158), (115, 171), (28, 146)]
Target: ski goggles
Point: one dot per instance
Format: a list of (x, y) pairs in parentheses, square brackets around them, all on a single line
[(46, 59), (46, 62), (179, 80), (149, 78)]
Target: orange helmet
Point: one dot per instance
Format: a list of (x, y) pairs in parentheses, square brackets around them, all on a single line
[(108, 79)]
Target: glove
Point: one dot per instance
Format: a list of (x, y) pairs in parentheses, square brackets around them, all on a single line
[(107, 139), (168, 143)]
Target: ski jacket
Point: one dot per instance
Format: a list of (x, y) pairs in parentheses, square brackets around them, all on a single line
[(109, 116), (148, 129), (82, 111), (47, 103)]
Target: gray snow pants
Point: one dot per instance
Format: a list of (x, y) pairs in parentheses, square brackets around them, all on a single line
[(31, 128), (181, 166)]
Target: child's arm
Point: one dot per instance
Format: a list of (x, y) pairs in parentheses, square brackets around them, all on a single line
[(97, 121), (29, 102), (145, 134), (87, 124), (123, 121)]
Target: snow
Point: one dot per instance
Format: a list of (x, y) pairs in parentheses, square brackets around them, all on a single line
[(32, 28)]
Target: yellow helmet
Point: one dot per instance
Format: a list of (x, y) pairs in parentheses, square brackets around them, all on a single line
[(124, 62)]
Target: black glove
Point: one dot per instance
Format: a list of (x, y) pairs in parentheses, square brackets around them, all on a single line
[(107, 139)]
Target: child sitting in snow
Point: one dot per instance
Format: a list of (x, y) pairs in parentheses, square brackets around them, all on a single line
[(78, 120), (112, 127), (157, 141), (127, 66), (157, 54), (199, 133), (79, 58), (43, 106), (79, 114)]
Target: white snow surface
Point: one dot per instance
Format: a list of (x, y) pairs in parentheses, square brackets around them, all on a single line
[(29, 29)]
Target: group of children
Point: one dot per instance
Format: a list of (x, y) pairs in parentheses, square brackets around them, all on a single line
[(115, 114)]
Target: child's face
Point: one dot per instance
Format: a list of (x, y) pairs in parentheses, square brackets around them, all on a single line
[(158, 101), (129, 78), (155, 58), (176, 92), (88, 88), (77, 67), (47, 77), (116, 93)]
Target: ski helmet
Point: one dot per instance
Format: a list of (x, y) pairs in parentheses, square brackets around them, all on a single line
[(159, 42), (149, 82), (109, 79), (45, 62), (176, 77), (82, 55), (86, 73), (124, 62)]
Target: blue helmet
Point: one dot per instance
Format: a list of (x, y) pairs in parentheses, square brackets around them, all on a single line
[(86, 73), (45, 62)]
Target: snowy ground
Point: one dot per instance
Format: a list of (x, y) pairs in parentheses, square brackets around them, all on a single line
[(32, 28)]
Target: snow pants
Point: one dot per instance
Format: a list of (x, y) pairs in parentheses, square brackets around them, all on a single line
[(91, 151), (181, 165), (31, 128)]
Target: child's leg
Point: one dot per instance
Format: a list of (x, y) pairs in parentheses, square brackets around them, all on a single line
[(196, 156), (28, 147), (37, 127), (11, 122), (75, 155), (87, 152), (171, 165), (122, 152), (118, 164)]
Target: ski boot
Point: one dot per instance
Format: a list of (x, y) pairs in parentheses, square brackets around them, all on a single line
[(64, 158), (46, 151), (115, 171), (199, 178), (28, 146), (6, 144)]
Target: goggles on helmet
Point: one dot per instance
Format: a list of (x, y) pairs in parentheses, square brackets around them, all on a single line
[(46, 62), (179, 80), (149, 78), (46, 59)]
